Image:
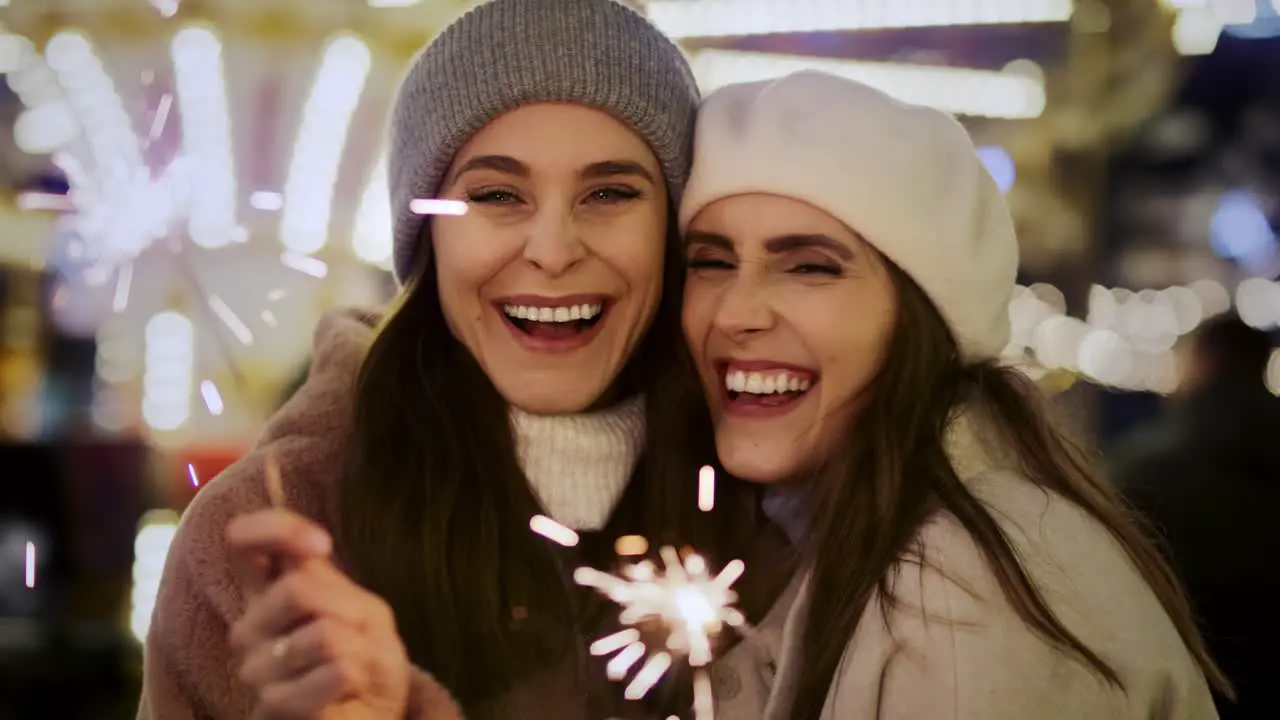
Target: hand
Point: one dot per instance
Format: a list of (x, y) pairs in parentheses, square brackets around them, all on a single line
[(311, 643)]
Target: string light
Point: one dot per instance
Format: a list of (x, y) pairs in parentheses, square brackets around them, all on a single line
[(150, 549), (317, 153), (1009, 94), (726, 18)]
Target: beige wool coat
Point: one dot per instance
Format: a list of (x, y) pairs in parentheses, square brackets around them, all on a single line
[(954, 649)]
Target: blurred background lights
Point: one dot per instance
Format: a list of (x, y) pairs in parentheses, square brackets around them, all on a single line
[(1127, 339), (1239, 229), (150, 549)]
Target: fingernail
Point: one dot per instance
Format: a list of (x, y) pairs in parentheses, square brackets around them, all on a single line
[(319, 542)]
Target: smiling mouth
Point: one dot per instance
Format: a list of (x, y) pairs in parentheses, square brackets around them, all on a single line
[(769, 387), (554, 322)]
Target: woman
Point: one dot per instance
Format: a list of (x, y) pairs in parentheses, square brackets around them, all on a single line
[(850, 264), (532, 365)]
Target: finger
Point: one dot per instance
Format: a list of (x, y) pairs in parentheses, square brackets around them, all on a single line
[(253, 571), (313, 589), (278, 532), (320, 642), (303, 697)]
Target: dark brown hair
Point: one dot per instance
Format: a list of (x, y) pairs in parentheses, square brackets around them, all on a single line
[(888, 477), (434, 509)]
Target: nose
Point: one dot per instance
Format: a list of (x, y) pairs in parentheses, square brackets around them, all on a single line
[(744, 311), (554, 245)]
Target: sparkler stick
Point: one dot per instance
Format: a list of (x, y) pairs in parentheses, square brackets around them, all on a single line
[(274, 480)]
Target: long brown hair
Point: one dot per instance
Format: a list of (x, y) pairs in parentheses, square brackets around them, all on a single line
[(884, 480), (434, 509)]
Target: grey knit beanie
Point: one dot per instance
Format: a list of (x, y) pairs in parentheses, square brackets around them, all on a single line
[(508, 53)]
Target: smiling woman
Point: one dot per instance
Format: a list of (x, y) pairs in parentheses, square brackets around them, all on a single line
[(551, 280), (850, 265), (531, 365)]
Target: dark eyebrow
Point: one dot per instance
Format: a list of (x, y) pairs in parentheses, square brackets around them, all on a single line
[(500, 163), (705, 238), (788, 243), (778, 245), (615, 168)]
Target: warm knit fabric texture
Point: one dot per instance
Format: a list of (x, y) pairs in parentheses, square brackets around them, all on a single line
[(508, 53), (905, 177), (578, 465)]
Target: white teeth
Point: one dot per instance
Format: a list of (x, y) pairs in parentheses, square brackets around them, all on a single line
[(558, 314), (764, 383)]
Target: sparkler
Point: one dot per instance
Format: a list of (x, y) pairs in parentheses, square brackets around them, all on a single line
[(682, 597), (274, 480)]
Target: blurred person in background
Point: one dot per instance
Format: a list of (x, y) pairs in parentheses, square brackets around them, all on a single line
[(533, 364), (1208, 476), (850, 264)]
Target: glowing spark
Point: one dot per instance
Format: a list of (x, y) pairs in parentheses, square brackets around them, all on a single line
[(648, 676), (275, 296), (124, 283), (706, 488), (167, 8), (31, 564), (231, 320), (692, 605), (631, 546), (431, 206), (622, 662), (161, 118), (212, 398), (703, 700), (267, 201), (614, 642), (191, 473), (35, 201), (315, 267), (269, 318), (553, 531)]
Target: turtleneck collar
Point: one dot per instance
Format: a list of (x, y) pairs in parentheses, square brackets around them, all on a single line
[(578, 465)]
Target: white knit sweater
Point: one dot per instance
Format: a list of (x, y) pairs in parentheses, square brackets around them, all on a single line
[(578, 465)]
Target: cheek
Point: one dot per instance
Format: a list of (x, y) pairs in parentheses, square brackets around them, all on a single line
[(467, 256), (853, 349), (634, 247)]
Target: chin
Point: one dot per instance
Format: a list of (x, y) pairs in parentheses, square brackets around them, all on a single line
[(762, 464), (551, 398)]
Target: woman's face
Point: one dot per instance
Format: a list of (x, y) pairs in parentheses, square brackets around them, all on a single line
[(789, 314), (554, 274)]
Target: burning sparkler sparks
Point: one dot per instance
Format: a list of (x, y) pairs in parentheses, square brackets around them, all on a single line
[(690, 605)]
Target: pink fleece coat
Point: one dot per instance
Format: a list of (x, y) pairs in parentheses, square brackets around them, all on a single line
[(190, 672), (189, 668)]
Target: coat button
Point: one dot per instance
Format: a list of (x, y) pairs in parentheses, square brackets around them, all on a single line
[(725, 682)]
